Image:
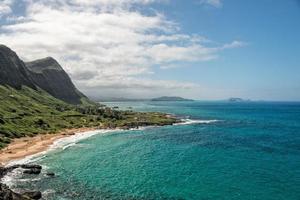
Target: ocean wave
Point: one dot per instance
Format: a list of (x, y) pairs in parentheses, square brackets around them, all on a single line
[(62, 143), (191, 121), (66, 142), (48, 192), (12, 177)]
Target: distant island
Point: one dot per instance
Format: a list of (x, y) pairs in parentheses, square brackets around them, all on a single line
[(120, 99), (117, 99), (166, 98), (235, 99)]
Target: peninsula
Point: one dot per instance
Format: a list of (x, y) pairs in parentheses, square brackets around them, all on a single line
[(39, 103), (166, 98)]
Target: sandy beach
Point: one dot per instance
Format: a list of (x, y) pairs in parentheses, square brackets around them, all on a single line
[(26, 146)]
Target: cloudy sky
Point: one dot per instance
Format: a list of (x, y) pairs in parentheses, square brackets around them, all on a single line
[(202, 49)]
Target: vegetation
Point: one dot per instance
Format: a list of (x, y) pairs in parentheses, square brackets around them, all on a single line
[(165, 98), (27, 112)]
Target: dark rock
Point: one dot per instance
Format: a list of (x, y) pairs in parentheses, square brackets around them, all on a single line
[(27, 166), (8, 194), (5, 170), (33, 194), (50, 76), (50, 174), (32, 171), (29, 169)]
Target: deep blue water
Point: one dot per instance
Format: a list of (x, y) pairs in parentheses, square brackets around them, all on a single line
[(251, 153)]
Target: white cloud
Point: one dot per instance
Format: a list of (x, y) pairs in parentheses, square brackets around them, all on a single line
[(234, 44), (106, 43), (5, 7), (215, 3)]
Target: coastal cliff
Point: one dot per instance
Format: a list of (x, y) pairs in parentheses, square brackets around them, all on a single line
[(13, 71), (49, 75), (45, 74), (39, 97)]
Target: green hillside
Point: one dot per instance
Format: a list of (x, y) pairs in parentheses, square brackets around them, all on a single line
[(27, 112)]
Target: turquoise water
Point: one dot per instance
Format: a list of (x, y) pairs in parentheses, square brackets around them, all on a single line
[(252, 152)]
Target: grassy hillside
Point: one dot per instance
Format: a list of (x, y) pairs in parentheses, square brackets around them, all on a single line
[(28, 112)]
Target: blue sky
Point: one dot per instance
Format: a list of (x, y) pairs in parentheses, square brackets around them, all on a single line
[(267, 68), (202, 49)]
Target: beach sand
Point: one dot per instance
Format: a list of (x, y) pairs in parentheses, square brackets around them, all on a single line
[(27, 146)]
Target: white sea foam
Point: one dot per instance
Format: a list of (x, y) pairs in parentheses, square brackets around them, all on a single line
[(48, 192), (62, 143), (190, 121), (72, 140), (10, 178), (67, 142)]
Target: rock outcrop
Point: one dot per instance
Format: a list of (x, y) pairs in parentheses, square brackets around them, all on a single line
[(7, 194), (50, 174), (32, 195)]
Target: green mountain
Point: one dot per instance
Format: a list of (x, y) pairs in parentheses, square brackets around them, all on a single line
[(13, 71), (39, 97), (45, 74), (165, 98), (49, 75)]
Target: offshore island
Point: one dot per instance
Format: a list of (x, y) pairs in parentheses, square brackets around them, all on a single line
[(40, 104)]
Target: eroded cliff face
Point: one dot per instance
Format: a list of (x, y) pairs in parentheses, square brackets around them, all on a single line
[(45, 73), (49, 75), (13, 71)]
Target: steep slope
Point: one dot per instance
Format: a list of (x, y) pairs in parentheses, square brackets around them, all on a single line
[(12, 70), (27, 112), (49, 75), (40, 99)]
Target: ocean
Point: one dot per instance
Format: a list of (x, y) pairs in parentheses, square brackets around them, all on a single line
[(226, 151)]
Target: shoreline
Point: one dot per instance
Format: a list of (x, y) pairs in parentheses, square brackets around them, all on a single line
[(24, 147)]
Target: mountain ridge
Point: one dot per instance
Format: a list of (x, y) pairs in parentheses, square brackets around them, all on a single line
[(45, 73), (39, 65), (32, 102), (13, 71), (28, 109), (48, 74)]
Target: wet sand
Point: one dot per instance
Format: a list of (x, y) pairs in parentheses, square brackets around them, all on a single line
[(26, 146)]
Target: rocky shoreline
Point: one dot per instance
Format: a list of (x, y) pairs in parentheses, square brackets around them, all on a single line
[(8, 194)]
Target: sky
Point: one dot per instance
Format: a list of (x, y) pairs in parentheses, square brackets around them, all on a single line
[(200, 49)]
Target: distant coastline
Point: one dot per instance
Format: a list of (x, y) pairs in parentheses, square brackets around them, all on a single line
[(163, 98), (167, 98)]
